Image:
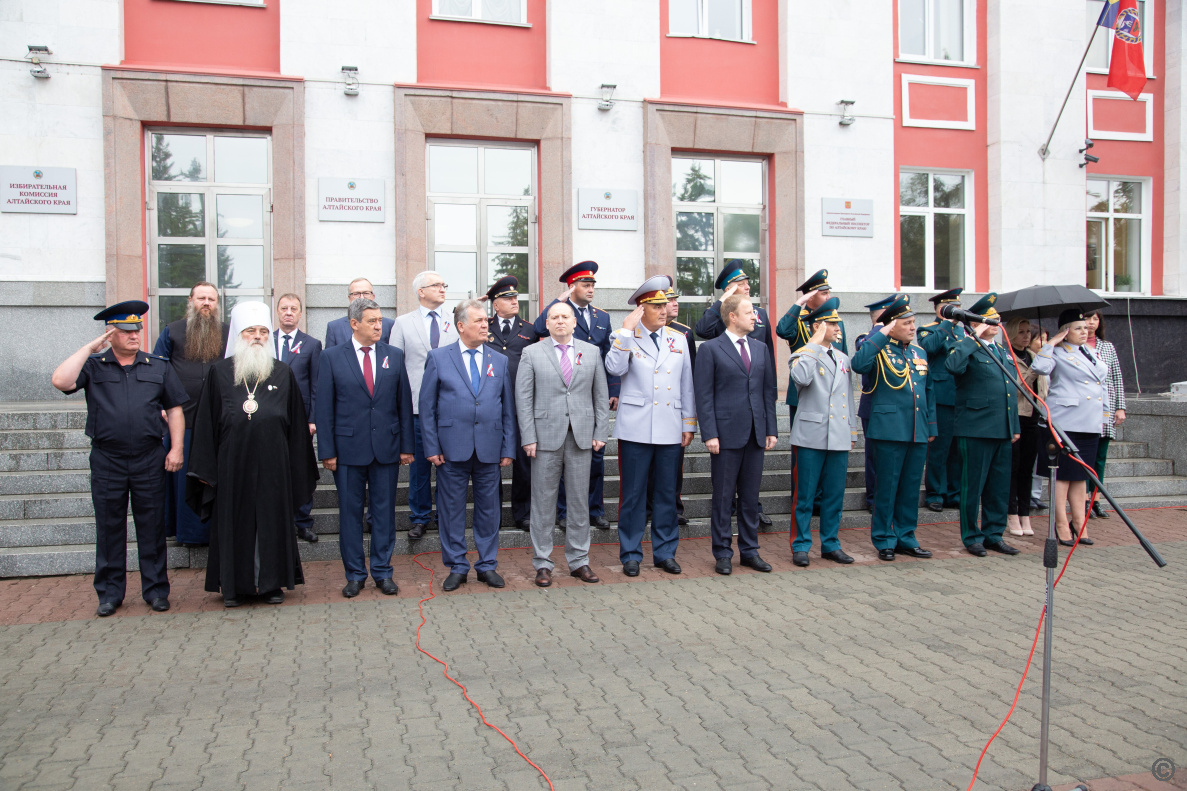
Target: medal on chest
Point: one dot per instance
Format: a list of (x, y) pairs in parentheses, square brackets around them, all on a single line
[(251, 406)]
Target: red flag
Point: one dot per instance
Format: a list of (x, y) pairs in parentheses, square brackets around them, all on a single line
[(1127, 68)]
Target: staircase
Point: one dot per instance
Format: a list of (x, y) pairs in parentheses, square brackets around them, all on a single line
[(47, 525)]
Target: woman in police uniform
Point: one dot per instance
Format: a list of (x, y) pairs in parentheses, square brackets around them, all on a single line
[(1078, 401)]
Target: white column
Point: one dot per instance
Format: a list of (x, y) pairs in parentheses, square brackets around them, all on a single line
[(1174, 256)]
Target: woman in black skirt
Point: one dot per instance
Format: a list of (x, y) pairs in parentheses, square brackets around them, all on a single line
[(1025, 345), (1078, 400)]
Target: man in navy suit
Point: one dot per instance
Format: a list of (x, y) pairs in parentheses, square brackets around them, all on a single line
[(302, 353), (364, 427), (593, 326), (467, 425), (338, 331), (735, 394)]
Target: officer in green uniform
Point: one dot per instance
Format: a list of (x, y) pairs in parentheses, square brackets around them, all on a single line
[(986, 424), (901, 423), (942, 480)]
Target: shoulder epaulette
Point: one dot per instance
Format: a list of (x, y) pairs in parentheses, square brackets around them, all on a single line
[(932, 324), (681, 326)]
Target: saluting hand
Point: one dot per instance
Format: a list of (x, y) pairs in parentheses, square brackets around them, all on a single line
[(633, 318), (819, 333), (983, 330), (1058, 339), (804, 299), (102, 342), (887, 328), (564, 297), (729, 291)]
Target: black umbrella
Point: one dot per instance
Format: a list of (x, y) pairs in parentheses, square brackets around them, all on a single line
[(1053, 298)]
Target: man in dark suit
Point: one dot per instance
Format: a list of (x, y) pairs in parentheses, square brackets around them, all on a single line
[(364, 426), (735, 395), (338, 331), (593, 326), (302, 353), (733, 280), (510, 335), (467, 425)]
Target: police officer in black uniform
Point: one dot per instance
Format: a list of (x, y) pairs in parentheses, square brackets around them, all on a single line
[(509, 334), (126, 391)]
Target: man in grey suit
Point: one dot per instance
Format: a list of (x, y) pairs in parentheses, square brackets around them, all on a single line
[(562, 403), (416, 333)]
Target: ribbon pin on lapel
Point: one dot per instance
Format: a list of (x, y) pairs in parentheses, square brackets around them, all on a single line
[(671, 344), (579, 358), (385, 365), (490, 369), (295, 349)]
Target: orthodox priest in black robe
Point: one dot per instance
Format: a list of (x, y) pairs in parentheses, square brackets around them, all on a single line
[(252, 464)]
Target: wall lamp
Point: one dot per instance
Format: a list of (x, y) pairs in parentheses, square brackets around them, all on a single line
[(352, 80), (607, 93), (847, 116), (36, 53)]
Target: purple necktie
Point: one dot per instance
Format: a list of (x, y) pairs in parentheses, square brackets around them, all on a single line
[(566, 366), (745, 354), (434, 330)]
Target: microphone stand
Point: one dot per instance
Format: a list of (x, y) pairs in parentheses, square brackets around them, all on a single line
[(1051, 548)]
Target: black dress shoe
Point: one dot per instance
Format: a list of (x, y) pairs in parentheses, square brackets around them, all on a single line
[(724, 566), (915, 552), (937, 507), (631, 568), (764, 520), (306, 534), (1002, 547), (160, 605), (977, 549), (491, 578), (352, 588), (885, 554), (387, 587), (669, 565), (800, 558), (836, 556), (1099, 512), (453, 582), (756, 563), (417, 531), (232, 601), (600, 521), (274, 597), (681, 519), (1037, 505), (524, 525), (107, 608)]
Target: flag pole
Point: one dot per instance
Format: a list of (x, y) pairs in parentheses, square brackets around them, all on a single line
[(1044, 150)]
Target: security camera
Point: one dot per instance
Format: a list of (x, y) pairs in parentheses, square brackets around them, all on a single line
[(1087, 145), (1089, 158)]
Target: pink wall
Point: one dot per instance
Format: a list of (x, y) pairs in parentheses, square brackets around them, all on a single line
[(450, 53), (202, 37)]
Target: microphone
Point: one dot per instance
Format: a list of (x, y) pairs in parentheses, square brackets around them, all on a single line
[(953, 312)]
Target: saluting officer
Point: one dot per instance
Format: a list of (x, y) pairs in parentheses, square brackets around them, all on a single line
[(822, 434), (733, 280), (942, 480), (689, 338), (593, 326), (509, 334), (901, 423), (657, 417), (863, 404), (126, 391), (986, 425)]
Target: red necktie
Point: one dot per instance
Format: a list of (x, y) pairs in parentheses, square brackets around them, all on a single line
[(368, 374)]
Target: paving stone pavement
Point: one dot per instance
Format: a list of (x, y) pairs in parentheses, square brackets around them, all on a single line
[(886, 676)]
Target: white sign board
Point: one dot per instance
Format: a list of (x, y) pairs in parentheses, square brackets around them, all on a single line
[(39, 190), (846, 217), (350, 200), (608, 210)]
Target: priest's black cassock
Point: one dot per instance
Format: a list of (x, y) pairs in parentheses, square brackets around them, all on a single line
[(262, 469)]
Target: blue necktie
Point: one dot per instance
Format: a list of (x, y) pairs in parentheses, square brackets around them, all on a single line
[(655, 340), (474, 380), (286, 348), (434, 330)]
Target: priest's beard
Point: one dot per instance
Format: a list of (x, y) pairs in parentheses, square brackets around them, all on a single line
[(253, 363), (203, 335)]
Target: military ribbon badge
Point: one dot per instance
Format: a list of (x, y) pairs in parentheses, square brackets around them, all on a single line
[(579, 358), (385, 365), (490, 369)]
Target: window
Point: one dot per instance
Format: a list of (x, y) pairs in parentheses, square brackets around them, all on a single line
[(508, 12), (209, 218), (934, 237), (937, 30), (482, 214), (719, 207), (724, 19), (1116, 229), (1102, 46)]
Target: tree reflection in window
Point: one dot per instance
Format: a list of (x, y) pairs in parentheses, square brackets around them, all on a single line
[(163, 166)]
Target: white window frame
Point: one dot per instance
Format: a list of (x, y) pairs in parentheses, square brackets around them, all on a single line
[(970, 89), (1148, 28), (1114, 96), (209, 189), (720, 254), (250, 3), (1147, 233), (527, 291), (475, 16), (703, 23), (969, 16), (929, 211)]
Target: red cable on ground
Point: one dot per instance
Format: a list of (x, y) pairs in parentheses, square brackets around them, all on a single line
[(445, 672)]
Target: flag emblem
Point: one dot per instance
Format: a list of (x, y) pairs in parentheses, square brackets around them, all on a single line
[(1129, 26)]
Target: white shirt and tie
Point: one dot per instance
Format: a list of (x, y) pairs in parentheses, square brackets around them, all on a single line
[(428, 321), (284, 341), (737, 341), (467, 354), (585, 314), (358, 352)]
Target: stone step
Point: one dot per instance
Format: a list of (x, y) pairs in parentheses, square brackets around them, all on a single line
[(44, 460), (43, 415), (38, 439)]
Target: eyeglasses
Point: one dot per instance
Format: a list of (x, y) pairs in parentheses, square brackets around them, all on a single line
[(443, 286), (354, 294)]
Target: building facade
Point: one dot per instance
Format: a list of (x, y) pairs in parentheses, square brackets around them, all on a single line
[(292, 145)]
